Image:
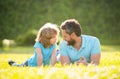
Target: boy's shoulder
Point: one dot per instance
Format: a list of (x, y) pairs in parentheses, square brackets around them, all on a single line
[(37, 44)]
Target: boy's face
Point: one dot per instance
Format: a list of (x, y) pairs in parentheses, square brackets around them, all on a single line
[(54, 39)]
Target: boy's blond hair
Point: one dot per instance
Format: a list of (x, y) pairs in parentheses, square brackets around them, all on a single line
[(46, 32)]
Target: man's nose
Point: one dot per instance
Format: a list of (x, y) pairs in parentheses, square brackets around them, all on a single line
[(65, 39)]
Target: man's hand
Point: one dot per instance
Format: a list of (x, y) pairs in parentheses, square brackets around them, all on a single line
[(82, 60)]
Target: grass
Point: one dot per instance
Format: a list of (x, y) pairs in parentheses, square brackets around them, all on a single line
[(23, 49), (109, 67)]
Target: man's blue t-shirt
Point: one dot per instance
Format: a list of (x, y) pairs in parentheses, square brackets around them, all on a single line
[(90, 46), (46, 53)]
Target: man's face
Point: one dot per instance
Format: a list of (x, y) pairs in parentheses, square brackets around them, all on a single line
[(68, 38)]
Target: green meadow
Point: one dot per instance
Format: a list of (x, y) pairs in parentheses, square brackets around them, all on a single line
[(109, 67), (20, 21)]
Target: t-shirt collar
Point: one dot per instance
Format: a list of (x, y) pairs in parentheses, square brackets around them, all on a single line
[(83, 43)]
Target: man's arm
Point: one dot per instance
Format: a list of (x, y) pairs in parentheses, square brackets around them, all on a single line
[(95, 52), (64, 60), (95, 59)]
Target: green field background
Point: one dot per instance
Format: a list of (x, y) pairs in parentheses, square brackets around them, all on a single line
[(20, 21), (109, 67)]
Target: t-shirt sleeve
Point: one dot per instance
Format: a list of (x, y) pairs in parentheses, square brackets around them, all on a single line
[(37, 45), (63, 50), (54, 46), (96, 47)]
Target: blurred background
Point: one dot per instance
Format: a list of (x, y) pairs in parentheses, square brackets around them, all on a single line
[(20, 20)]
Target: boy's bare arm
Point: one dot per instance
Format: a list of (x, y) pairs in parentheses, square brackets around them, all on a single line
[(39, 56), (53, 57)]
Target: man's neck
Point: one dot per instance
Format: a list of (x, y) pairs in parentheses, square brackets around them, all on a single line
[(78, 43)]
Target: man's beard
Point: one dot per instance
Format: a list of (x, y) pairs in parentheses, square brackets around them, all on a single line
[(71, 42)]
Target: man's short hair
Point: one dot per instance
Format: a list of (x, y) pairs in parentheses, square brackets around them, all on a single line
[(70, 26)]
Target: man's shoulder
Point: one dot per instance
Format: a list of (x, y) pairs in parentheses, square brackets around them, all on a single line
[(63, 42), (89, 38)]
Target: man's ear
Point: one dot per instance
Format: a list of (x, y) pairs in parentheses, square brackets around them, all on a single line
[(73, 35)]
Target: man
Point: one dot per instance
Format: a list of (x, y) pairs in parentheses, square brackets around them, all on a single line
[(77, 48)]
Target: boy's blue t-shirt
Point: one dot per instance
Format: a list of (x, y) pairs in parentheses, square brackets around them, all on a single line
[(90, 46), (46, 53)]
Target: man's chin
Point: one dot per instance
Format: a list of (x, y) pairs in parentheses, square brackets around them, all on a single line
[(70, 44)]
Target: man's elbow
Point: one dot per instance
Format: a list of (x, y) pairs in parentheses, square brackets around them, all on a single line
[(64, 61)]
